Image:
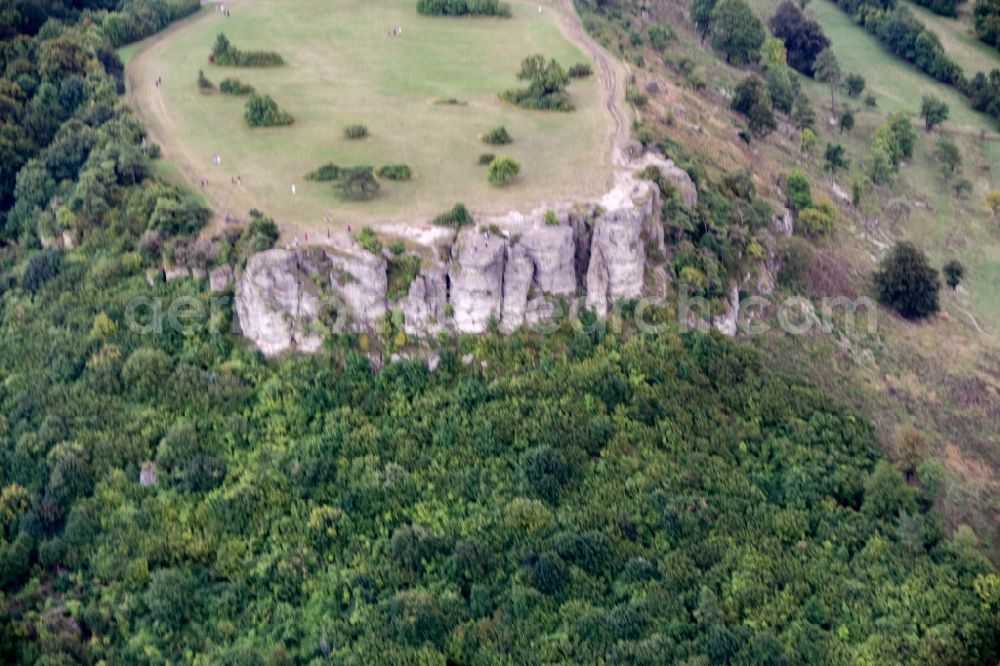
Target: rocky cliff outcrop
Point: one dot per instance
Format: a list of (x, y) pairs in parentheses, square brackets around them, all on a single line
[(506, 271), (290, 299), (476, 276), (279, 303), (617, 249)]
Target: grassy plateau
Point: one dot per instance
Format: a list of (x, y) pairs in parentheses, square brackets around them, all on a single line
[(342, 68)]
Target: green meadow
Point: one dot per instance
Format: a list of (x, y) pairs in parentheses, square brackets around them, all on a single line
[(342, 68)]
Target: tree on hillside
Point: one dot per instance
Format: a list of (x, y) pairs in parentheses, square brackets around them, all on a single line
[(701, 15), (906, 136), (802, 36), (827, 70), (933, 111), (834, 157), (782, 86), (846, 120), (954, 273), (910, 449), (993, 203), (751, 99), (799, 191), (907, 282), (987, 21), (949, 155), (855, 84), (736, 31)]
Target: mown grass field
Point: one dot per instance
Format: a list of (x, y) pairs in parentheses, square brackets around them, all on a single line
[(342, 68)]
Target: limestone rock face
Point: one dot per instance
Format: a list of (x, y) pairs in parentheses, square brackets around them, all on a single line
[(682, 181), (784, 225), (278, 303), (518, 275), (172, 273), (220, 278), (476, 274), (603, 250), (361, 282), (424, 305), (617, 251), (677, 176), (727, 322), (552, 251)]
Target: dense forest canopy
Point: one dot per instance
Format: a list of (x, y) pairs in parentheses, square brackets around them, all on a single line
[(170, 498)]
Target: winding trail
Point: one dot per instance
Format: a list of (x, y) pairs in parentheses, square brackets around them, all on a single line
[(610, 73)]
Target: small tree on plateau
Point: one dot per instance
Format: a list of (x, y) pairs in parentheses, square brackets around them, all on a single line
[(933, 111), (503, 170), (906, 282)]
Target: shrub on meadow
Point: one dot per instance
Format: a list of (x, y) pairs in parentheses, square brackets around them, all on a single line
[(580, 70), (498, 136), (236, 87), (907, 282), (358, 184), (355, 131), (227, 55), (264, 112), (456, 218), (546, 89), (327, 172), (395, 172), (204, 85), (369, 240), (503, 171), (463, 8)]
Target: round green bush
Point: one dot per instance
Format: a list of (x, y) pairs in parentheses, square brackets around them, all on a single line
[(503, 171), (355, 131), (497, 136), (395, 172)]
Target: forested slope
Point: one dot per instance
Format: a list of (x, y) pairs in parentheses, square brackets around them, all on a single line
[(175, 498)]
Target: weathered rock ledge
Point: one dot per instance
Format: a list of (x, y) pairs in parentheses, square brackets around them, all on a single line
[(499, 272)]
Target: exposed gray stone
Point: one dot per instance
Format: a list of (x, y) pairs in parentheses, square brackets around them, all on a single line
[(424, 305), (726, 323), (172, 273), (617, 253), (278, 303), (518, 275), (784, 224), (360, 281), (220, 278), (553, 253), (476, 274)]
